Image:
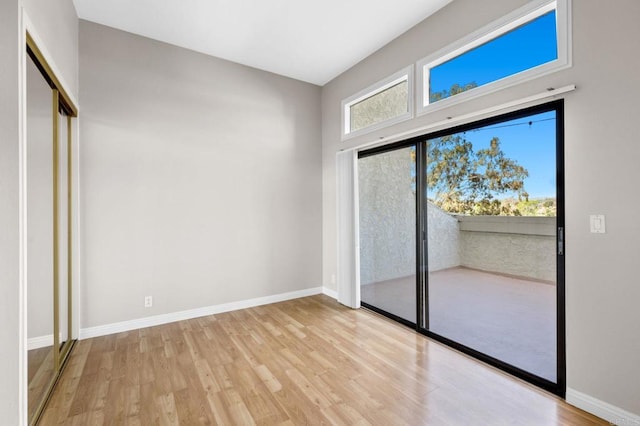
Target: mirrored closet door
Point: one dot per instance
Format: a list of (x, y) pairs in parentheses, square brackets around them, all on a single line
[(49, 223)]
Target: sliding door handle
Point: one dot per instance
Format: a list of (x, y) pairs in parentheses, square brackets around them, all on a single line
[(560, 241)]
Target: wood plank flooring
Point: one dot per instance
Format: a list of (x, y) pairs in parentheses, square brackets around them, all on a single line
[(305, 361), (41, 372)]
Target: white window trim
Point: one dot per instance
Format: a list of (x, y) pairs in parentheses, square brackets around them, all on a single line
[(501, 26), (405, 74)]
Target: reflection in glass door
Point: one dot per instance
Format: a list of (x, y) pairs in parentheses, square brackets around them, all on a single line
[(387, 210), (40, 237), (64, 227)]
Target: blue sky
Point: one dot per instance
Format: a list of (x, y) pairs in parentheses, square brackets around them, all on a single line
[(522, 48), (532, 146)]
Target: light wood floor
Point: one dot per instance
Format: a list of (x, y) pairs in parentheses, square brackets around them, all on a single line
[(41, 372), (306, 361), (510, 319)]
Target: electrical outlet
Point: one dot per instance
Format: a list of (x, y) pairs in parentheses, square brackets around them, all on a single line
[(148, 301)]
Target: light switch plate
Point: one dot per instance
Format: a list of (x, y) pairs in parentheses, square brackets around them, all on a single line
[(597, 224)]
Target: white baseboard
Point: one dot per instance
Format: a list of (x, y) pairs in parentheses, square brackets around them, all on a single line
[(331, 293), (610, 413), (39, 342), (118, 327)]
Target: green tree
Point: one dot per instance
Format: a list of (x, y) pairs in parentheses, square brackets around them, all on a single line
[(462, 180), (467, 181), (537, 207), (454, 90)]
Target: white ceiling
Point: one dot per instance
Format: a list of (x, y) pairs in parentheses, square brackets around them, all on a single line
[(313, 41)]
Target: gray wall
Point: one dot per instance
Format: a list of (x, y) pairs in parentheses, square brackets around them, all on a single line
[(201, 179), (9, 239), (56, 23), (601, 156)]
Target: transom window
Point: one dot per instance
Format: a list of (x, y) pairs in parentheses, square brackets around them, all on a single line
[(387, 102), (528, 43)]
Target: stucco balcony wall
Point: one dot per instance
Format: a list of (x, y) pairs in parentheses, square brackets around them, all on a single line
[(513, 245)]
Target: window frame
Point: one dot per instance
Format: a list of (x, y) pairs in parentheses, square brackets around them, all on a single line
[(501, 26), (405, 74)]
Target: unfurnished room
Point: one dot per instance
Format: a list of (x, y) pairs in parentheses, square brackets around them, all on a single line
[(300, 213)]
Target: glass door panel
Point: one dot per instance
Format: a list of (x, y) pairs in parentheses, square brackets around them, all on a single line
[(387, 213), (63, 232), (492, 208), (40, 238)]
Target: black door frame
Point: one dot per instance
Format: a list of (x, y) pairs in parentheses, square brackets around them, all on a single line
[(422, 288)]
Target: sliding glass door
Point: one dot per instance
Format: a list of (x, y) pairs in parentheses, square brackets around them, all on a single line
[(387, 213), (486, 202)]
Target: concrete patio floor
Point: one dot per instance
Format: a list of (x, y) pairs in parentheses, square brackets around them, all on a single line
[(511, 319)]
